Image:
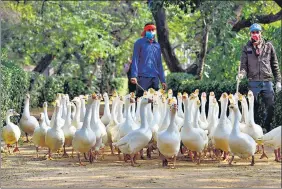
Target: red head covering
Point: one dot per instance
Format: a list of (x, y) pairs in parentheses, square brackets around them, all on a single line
[(148, 27)]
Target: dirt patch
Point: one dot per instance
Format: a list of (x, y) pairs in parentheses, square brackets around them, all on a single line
[(24, 170)]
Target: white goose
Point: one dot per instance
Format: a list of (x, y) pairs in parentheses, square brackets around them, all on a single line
[(11, 132), (234, 98), (137, 113), (203, 123), (165, 123), (106, 118), (76, 120), (55, 137), (27, 122), (180, 112), (245, 110), (136, 140), (110, 127), (194, 139), (129, 124), (94, 125), (82, 108), (156, 121), (211, 97), (46, 117), (253, 129), (39, 133), (273, 139), (101, 126), (84, 139), (68, 129), (240, 144), (224, 127), (168, 140)]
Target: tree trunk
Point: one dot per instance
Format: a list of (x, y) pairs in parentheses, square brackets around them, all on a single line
[(60, 69), (163, 38), (43, 63), (203, 51), (81, 66)]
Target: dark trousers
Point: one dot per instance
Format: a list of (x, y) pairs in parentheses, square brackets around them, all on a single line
[(146, 83), (265, 88), (131, 86)]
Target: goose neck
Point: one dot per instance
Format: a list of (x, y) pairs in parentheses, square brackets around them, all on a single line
[(172, 124), (236, 129), (26, 108), (223, 108), (144, 123), (251, 111), (86, 121), (8, 120)]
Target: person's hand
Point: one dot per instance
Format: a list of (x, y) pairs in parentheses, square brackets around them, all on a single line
[(278, 87), (164, 86), (133, 80)]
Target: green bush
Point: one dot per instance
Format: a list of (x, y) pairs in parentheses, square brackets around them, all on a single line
[(278, 110), (120, 85), (174, 80), (75, 87), (14, 84)]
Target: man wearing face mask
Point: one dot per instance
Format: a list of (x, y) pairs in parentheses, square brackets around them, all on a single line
[(147, 68), (259, 63)]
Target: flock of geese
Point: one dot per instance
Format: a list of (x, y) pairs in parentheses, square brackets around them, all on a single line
[(156, 121)]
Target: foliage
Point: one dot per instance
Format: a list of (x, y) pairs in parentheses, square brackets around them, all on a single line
[(175, 80), (278, 110), (14, 82)]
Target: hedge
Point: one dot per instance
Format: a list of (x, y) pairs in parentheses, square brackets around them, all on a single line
[(15, 83)]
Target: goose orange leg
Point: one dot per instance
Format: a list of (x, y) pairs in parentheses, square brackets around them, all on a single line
[(16, 148), (263, 153)]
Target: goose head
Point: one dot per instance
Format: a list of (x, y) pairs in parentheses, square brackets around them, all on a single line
[(198, 103), (41, 118), (76, 100), (45, 105), (12, 112), (233, 107), (27, 96), (145, 93), (132, 100), (185, 98), (211, 96), (250, 95), (162, 92), (223, 96), (197, 92), (100, 97), (105, 96), (132, 95), (115, 94), (179, 95), (173, 108), (169, 93), (204, 96), (231, 98), (163, 99), (151, 91), (94, 96), (146, 100)]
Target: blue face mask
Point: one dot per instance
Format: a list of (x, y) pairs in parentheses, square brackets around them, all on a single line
[(150, 35)]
